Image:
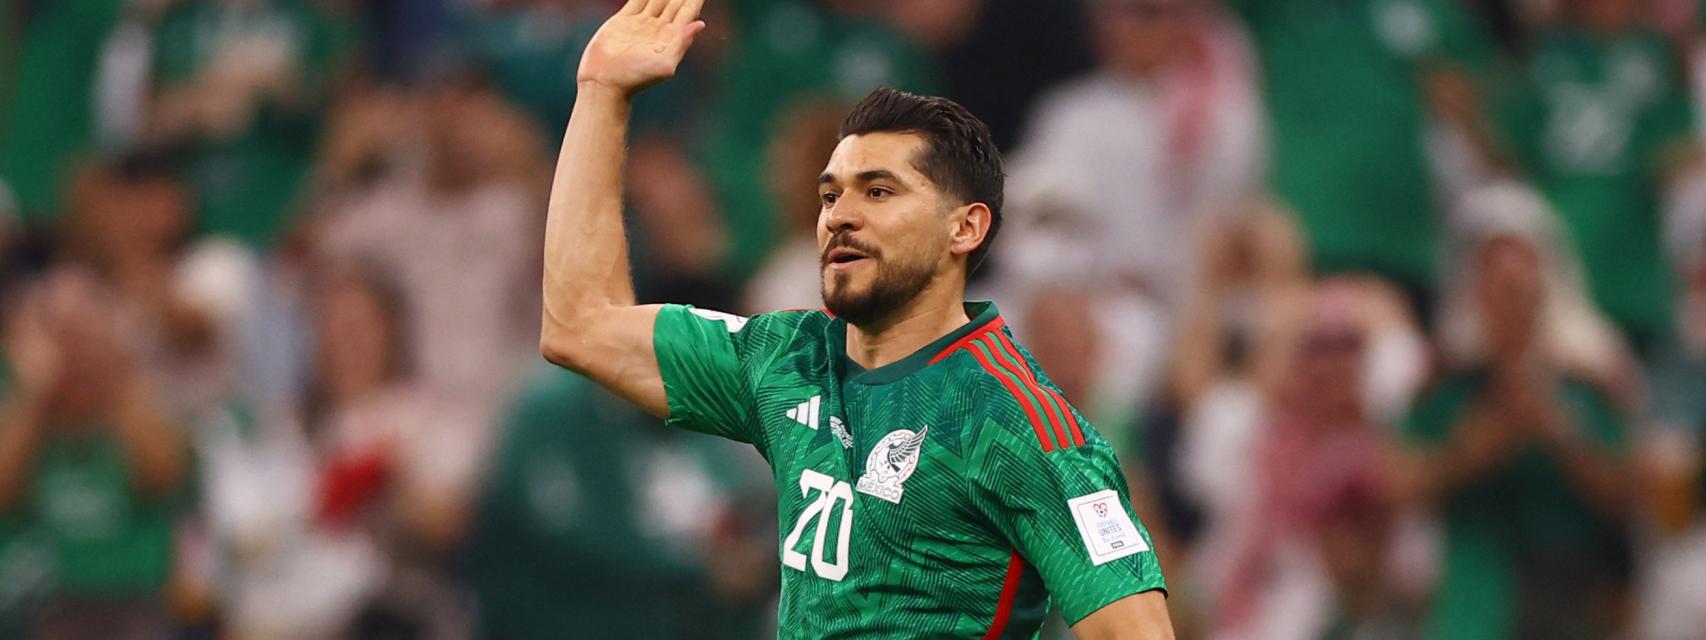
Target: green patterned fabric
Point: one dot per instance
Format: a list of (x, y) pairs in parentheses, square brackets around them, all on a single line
[(950, 494)]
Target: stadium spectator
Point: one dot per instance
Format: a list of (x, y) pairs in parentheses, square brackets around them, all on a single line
[(1602, 122), (532, 48), (242, 84), (973, 42), (600, 522), (1120, 167), (1671, 455), (790, 51), (129, 222), (1519, 447), (1347, 91), (441, 191), (86, 64), (790, 278), (1249, 277), (1308, 549), (91, 465), (382, 480)]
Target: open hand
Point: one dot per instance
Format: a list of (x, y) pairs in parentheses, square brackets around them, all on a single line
[(641, 45)]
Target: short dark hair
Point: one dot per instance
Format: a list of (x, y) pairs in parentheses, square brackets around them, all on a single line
[(960, 157)]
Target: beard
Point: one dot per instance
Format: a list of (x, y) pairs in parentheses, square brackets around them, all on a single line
[(896, 284)]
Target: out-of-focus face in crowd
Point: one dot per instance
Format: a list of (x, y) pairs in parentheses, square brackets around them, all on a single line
[(129, 209), (1606, 15), (807, 138), (1330, 353), (1509, 291), (357, 332), (454, 138), (1140, 36), (68, 332)]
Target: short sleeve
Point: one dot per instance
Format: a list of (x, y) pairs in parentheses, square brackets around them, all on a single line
[(700, 361), (1068, 513)]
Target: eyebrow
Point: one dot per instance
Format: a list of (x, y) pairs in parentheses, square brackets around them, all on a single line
[(872, 175)]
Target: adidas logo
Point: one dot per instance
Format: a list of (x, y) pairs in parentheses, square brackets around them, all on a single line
[(806, 413)]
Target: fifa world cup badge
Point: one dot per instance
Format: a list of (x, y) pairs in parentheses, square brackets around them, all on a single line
[(891, 462)]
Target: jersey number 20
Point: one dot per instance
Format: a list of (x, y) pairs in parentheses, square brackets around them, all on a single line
[(829, 492)]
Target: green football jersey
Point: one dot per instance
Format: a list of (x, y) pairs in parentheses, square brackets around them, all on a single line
[(950, 494)]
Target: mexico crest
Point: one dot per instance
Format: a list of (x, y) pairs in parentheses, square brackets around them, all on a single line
[(891, 462)]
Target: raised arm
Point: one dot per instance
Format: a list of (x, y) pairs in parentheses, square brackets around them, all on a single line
[(590, 323)]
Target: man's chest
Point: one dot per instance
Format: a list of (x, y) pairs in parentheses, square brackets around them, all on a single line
[(870, 479)]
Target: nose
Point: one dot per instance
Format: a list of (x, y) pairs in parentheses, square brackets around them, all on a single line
[(843, 217)]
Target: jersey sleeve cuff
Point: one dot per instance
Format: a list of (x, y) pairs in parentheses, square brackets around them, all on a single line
[(1073, 617)]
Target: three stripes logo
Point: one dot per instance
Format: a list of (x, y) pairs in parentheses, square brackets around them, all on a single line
[(807, 412)]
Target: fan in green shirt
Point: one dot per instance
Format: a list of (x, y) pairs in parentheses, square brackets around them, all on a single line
[(241, 84), (567, 536), (1523, 460), (1344, 86), (90, 466), (1604, 107), (47, 127)]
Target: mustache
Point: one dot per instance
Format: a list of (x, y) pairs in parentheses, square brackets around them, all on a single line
[(843, 240)]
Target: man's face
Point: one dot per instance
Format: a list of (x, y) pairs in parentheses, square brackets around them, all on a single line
[(1511, 290), (884, 230), (1139, 36)]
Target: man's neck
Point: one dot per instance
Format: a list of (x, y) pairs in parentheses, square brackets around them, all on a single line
[(936, 312)]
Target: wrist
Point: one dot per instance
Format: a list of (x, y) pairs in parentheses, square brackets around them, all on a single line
[(600, 91)]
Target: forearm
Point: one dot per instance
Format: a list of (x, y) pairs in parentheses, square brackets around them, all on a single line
[(153, 448), (1427, 475), (586, 253), (1138, 617), (20, 436)]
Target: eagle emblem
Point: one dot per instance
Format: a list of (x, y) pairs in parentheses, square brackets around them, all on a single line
[(891, 462)]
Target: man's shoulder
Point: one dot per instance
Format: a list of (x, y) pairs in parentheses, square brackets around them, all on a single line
[(999, 381), (762, 337), (790, 327)]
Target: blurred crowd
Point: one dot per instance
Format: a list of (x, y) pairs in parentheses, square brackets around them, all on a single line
[(1396, 309)]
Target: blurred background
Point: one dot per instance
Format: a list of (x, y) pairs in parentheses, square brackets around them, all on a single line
[(1396, 309)]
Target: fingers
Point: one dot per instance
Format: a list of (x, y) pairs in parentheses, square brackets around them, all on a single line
[(671, 10), (633, 7), (654, 8), (688, 12), (691, 32)]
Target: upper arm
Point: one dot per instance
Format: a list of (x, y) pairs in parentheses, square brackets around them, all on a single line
[(682, 364), (1068, 513), (1137, 617), (613, 348)]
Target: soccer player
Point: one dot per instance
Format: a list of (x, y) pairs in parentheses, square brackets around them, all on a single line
[(932, 481)]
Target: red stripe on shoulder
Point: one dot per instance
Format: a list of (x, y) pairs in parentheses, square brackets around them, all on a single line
[(992, 325), (1006, 359), (1071, 420), (1012, 385), (1009, 590)]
